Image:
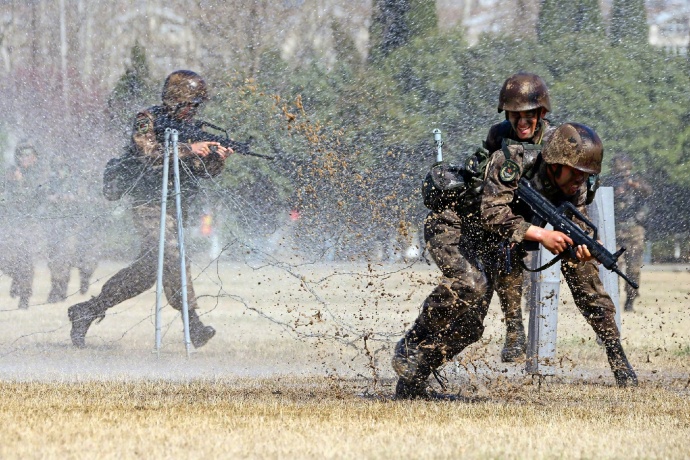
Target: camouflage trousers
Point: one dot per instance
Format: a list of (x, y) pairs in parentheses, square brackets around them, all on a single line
[(141, 274), (17, 262), (452, 316), (70, 244), (19, 244), (632, 237)]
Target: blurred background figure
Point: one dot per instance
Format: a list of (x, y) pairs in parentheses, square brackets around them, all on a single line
[(71, 241), (631, 192), (23, 193)]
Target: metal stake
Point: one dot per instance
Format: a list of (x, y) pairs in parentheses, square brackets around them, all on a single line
[(543, 315), (161, 241), (545, 289), (439, 144), (180, 242)]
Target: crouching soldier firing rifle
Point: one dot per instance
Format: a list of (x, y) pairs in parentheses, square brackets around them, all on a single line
[(139, 174), (559, 173)]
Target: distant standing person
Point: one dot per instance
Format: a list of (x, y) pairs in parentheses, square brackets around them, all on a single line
[(183, 93), (24, 194), (630, 193), (71, 239)]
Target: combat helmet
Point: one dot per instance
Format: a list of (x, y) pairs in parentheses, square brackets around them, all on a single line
[(184, 87), (575, 145), (523, 91)]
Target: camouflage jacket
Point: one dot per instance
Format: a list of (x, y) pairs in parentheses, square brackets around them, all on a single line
[(24, 192), (147, 145), (500, 213)]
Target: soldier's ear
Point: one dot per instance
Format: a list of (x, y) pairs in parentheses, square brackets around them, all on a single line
[(543, 112)]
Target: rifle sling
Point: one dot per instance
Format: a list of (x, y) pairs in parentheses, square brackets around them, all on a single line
[(543, 267)]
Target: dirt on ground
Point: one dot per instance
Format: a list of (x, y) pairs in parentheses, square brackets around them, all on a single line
[(315, 320), (300, 367)]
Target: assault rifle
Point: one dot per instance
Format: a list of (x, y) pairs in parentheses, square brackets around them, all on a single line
[(194, 132), (560, 219)]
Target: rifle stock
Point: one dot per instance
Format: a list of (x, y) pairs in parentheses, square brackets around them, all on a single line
[(560, 219)]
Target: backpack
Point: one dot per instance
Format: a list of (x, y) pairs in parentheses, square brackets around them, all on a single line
[(120, 175), (449, 185), (443, 186)]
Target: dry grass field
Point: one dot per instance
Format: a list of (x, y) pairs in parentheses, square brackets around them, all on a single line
[(300, 369)]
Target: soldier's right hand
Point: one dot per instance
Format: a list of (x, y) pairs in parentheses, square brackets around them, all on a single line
[(556, 242)]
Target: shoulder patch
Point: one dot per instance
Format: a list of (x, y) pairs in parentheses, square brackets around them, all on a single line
[(142, 123), (509, 171)]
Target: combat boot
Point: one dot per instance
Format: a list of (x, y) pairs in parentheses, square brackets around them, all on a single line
[(622, 370), (82, 315), (198, 333), (415, 389), (515, 345), (84, 281), (412, 369)]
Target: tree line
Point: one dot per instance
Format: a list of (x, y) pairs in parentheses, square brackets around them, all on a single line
[(354, 138)]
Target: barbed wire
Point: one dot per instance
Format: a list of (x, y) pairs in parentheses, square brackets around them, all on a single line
[(333, 326)]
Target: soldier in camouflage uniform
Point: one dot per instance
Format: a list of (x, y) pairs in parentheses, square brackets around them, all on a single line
[(444, 328), (525, 99), (183, 92), (630, 193), (71, 241), (24, 195)]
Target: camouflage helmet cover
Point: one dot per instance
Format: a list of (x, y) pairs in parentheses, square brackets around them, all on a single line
[(575, 145), (184, 87), (522, 92)]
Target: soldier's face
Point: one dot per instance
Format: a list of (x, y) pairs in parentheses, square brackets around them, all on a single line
[(567, 179), (187, 111), (524, 123)]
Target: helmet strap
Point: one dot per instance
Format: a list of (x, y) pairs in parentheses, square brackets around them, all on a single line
[(538, 131)]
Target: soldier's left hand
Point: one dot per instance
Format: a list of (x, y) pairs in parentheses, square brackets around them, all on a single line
[(224, 152), (204, 148), (583, 254)]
